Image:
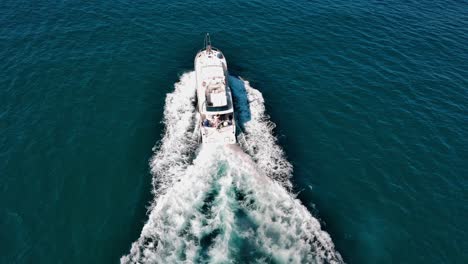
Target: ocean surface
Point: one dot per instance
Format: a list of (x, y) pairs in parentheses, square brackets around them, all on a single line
[(355, 120)]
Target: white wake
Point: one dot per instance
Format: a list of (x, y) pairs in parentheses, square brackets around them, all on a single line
[(220, 205)]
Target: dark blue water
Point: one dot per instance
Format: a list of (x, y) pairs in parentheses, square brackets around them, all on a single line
[(369, 98)]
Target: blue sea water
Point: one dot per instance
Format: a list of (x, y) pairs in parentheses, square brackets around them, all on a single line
[(369, 99)]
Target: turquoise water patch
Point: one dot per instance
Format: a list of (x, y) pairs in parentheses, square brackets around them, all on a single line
[(368, 98)]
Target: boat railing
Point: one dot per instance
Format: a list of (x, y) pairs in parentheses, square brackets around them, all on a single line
[(212, 48), (207, 44)]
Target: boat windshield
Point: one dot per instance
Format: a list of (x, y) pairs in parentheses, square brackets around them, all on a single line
[(217, 108)]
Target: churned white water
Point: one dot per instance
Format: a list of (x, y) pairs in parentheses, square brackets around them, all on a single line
[(225, 204)]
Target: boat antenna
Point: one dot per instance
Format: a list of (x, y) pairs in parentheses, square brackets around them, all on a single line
[(208, 43)]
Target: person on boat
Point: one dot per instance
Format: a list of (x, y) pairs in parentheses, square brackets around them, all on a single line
[(206, 123), (216, 121)]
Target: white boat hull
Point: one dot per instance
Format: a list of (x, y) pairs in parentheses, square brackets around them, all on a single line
[(214, 98)]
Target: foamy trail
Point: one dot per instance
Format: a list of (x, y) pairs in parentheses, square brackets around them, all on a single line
[(260, 141), (221, 205), (175, 151)]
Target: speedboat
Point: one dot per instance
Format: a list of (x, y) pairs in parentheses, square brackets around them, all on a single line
[(214, 96)]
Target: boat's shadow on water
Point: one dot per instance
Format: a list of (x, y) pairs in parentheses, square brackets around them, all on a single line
[(241, 101)]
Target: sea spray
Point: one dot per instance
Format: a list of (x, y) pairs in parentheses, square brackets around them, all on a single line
[(221, 205), (260, 142), (175, 151)]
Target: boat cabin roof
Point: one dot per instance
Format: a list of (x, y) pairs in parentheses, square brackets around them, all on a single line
[(213, 72)]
